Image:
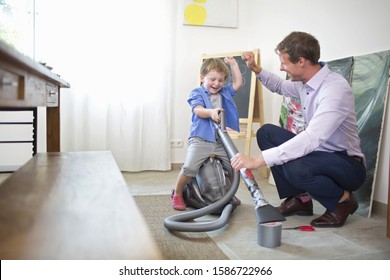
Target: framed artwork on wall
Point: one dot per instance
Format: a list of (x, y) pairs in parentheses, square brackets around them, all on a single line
[(216, 13)]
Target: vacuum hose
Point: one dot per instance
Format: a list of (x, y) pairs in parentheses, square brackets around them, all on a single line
[(179, 222)]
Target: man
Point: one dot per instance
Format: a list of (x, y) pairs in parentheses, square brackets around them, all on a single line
[(324, 161)]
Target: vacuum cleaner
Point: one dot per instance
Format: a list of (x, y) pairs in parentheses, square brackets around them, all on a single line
[(265, 213)]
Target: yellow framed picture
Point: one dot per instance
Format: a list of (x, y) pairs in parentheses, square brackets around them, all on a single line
[(217, 13)]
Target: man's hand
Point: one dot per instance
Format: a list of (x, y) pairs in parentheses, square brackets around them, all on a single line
[(242, 161), (249, 59)]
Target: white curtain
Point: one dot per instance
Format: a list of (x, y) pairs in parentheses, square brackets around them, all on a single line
[(117, 57)]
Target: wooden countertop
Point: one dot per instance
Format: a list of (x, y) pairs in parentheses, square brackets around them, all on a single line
[(18, 60)]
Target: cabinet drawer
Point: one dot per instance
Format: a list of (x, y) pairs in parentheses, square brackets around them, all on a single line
[(11, 86)]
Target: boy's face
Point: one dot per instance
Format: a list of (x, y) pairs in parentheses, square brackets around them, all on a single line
[(213, 81)]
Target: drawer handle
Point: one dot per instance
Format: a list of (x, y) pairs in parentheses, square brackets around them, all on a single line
[(52, 92)]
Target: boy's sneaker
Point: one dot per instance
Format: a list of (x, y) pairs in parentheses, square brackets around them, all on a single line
[(177, 201)]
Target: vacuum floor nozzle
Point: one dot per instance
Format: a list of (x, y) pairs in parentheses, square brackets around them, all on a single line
[(268, 213)]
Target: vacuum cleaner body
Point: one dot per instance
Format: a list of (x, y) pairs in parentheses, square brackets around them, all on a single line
[(210, 185)]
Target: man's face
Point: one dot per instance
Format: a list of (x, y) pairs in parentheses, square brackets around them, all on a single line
[(294, 70)]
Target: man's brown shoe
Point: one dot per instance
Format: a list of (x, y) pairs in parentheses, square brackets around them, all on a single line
[(339, 215), (301, 205)]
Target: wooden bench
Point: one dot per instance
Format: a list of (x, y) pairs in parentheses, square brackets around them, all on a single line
[(71, 206)]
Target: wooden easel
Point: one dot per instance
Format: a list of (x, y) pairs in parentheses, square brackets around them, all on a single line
[(253, 102)]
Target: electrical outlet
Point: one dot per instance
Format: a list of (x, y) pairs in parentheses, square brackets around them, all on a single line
[(177, 143)]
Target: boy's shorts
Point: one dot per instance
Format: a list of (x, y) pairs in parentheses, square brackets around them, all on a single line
[(198, 151)]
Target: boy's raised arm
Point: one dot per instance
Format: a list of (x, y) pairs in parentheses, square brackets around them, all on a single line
[(236, 73)]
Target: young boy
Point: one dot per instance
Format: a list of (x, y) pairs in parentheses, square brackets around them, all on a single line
[(206, 102)]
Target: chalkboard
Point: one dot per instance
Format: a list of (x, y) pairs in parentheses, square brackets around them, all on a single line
[(243, 96)]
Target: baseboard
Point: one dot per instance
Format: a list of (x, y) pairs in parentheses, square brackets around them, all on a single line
[(9, 168), (379, 208), (176, 166)]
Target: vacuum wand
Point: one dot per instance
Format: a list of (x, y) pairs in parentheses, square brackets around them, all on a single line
[(264, 211), (246, 173), (253, 188)]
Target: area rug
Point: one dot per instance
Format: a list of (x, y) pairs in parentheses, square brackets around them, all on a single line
[(175, 245)]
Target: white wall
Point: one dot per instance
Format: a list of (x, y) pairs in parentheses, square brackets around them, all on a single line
[(343, 28)]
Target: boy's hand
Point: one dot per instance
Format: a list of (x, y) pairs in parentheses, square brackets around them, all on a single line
[(230, 60), (215, 114)]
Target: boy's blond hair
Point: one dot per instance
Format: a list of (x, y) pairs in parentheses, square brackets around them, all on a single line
[(215, 64)]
